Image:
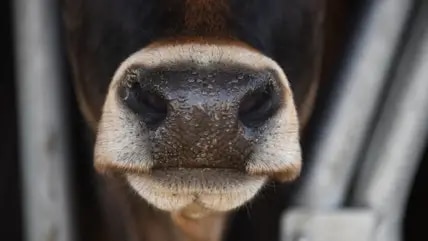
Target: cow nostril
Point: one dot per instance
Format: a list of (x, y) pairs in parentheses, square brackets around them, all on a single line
[(258, 106), (149, 105)]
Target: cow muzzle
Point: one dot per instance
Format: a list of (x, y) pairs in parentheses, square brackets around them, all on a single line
[(199, 127)]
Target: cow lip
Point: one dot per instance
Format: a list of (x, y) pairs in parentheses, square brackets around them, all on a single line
[(197, 180), (198, 165), (214, 189), (203, 168)]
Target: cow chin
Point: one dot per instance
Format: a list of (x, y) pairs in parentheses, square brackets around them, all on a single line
[(207, 139)]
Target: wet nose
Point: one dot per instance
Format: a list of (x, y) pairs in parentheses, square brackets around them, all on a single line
[(202, 117), (250, 97)]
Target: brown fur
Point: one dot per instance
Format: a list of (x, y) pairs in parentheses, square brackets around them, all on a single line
[(206, 17)]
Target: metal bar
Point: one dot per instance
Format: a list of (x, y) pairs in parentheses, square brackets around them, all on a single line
[(399, 138), (354, 224), (355, 102), (42, 122)]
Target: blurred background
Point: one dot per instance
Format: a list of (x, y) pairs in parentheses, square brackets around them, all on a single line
[(365, 148)]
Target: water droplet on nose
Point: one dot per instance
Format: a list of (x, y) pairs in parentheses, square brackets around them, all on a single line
[(216, 117)]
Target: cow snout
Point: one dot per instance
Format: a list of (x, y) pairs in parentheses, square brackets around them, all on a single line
[(199, 127), (202, 118)]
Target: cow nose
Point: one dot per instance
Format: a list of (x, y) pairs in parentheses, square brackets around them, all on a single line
[(249, 98), (203, 117)]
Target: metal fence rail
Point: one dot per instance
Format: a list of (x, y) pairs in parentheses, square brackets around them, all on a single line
[(398, 140), (380, 142), (355, 103), (42, 122)]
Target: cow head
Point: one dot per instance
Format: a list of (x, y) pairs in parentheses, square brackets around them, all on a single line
[(194, 101)]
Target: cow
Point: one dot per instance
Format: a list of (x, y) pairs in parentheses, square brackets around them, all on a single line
[(196, 107)]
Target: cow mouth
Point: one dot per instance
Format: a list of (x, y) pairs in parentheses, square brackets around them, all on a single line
[(197, 190)]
